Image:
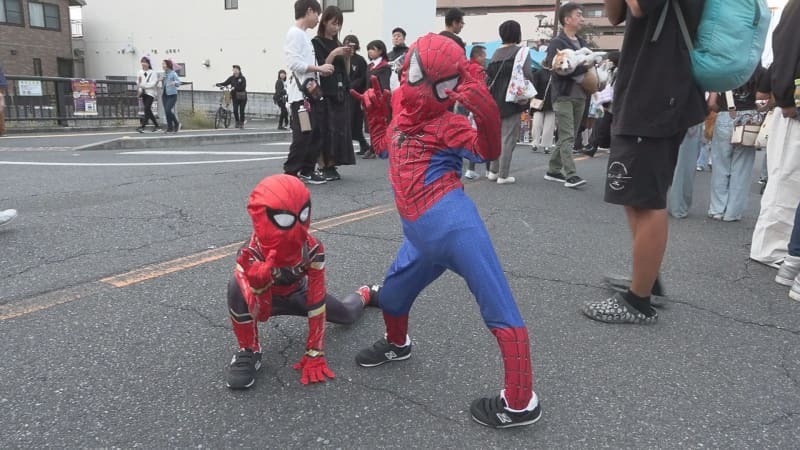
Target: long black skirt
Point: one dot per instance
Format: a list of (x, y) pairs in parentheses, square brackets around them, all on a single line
[(337, 148)]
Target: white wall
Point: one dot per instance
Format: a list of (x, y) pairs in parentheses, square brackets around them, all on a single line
[(252, 36)]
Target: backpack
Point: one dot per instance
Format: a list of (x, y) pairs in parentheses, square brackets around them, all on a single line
[(730, 40)]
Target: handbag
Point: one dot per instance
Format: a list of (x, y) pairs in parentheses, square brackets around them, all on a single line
[(538, 103), (763, 133), (520, 89), (745, 135)]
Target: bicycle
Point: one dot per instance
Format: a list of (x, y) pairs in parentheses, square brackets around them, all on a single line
[(224, 112)]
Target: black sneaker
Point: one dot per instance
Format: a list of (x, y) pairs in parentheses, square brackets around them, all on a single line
[(382, 352), (140, 129), (242, 369), (313, 178), (590, 151), (550, 176), (331, 174), (370, 154), (492, 413), (574, 181), (157, 129), (616, 310)]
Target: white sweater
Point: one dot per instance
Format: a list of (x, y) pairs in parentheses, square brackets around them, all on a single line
[(300, 56), (148, 79)]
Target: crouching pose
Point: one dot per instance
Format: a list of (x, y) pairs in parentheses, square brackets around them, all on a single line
[(441, 226), (281, 271)]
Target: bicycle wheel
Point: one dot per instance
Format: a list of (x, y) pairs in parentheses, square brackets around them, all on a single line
[(218, 118), (227, 118)]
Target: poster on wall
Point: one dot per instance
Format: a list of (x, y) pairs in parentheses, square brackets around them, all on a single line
[(29, 88), (84, 97)]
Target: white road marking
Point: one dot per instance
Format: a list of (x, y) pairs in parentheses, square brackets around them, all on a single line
[(277, 143), (193, 152), (175, 163)]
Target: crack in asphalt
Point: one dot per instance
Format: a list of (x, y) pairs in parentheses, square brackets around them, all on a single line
[(733, 319), (211, 322), (518, 276), (282, 352), (422, 406)]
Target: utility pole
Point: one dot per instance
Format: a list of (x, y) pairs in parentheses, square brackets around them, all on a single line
[(555, 18)]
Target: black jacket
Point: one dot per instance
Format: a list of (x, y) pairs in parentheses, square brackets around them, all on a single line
[(397, 52), (498, 75), (541, 81), (786, 48), (237, 84), (562, 86), (359, 80)]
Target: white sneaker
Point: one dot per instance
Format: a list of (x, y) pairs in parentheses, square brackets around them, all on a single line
[(472, 175), (7, 216), (794, 293), (508, 180), (491, 176)]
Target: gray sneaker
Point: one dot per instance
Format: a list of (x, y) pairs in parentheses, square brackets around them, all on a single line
[(788, 271), (616, 310), (794, 293)]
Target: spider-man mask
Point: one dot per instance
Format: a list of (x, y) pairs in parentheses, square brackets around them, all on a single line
[(434, 65), (280, 207)]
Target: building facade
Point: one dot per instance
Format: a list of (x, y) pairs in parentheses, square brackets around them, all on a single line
[(35, 37), (537, 18), (207, 37)]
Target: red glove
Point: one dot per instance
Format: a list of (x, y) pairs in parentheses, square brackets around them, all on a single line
[(257, 271), (314, 369), (475, 97), (378, 107)]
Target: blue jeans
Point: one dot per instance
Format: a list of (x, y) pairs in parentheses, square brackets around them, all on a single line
[(733, 170), (168, 102), (679, 199), (794, 240), (705, 148)]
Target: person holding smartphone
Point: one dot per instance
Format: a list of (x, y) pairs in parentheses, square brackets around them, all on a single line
[(335, 125)]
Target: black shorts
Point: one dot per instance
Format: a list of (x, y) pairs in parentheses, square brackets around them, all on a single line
[(640, 170)]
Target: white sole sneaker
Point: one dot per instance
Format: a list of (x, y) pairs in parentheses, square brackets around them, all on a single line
[(491, 176), (471, 175), (509, 180), (794, 294)]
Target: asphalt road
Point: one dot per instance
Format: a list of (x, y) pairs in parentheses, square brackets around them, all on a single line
[(140, 364)]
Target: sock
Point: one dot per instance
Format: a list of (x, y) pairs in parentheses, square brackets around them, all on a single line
[(641, 304)]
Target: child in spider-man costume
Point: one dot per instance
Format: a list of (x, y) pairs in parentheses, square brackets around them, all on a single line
[(281, 271), (441, 226)]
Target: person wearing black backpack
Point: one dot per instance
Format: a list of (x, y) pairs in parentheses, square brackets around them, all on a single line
[(656, 99)]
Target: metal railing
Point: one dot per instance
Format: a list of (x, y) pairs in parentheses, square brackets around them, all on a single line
[(51, 99)]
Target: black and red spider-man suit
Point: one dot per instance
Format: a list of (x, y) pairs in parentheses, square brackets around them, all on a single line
[(441, 226), (281, 271)]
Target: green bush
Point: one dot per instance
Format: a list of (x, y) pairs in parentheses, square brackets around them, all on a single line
[(195, 121)]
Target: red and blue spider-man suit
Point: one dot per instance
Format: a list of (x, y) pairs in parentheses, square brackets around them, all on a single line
[(441, 226)]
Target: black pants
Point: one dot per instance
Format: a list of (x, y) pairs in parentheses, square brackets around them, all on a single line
[(601, 133), (238, 108), (357, 120), (283, 120), (148, 111), (305, 148)]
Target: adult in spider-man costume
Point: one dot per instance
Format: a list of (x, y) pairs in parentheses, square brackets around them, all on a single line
[(441, 226), (281, 271)]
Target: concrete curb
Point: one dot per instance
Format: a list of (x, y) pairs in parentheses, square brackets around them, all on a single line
[(177, 140)]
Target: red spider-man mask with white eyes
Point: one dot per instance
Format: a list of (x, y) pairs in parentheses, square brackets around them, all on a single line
[(280, 207), (433, 66)]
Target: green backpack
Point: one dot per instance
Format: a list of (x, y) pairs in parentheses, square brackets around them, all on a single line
[(730, 40)]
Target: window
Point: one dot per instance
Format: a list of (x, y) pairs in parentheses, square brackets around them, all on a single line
[(344, 5), (37, 67), (11, 12), (231, 4), (44, 15)]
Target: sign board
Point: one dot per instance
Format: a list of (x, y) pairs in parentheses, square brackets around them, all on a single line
[(29, 88), (84, 97)]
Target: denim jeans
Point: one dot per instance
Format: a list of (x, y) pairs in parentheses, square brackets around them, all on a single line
[(794, 241), (679, 199), (169, 102), (703, 158), (733, 170)]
